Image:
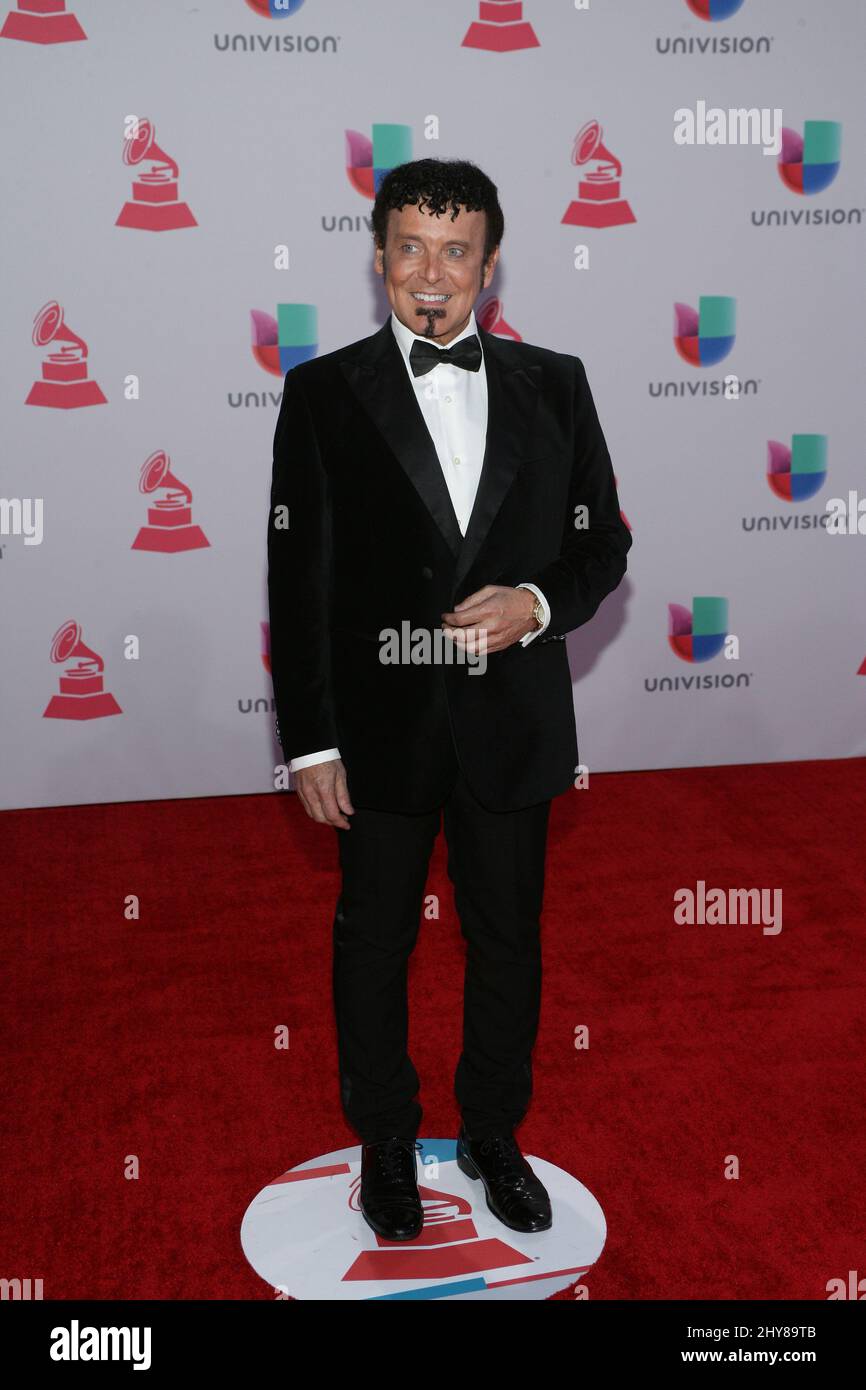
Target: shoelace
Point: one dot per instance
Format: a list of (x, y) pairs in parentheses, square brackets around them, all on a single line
[(394, 1160), (505, 1152)]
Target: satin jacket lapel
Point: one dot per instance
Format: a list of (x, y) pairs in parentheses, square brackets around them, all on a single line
[(377, 376), (379, 380), (512, 402)]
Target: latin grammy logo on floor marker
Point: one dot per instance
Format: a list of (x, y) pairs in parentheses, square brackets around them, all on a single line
[(82, 695), (500, 28), (170, 527), (598, 202), (491, 317), (65, 384), (155, 206), (305, 1235), (42, 21)]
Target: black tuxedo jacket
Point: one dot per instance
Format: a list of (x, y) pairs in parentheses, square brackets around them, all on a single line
[(372, 543)]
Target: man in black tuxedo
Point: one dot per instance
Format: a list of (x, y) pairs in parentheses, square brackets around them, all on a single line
[(443, 497)]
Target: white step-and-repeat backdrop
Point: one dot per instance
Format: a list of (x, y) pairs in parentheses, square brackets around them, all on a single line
[(186, 213)]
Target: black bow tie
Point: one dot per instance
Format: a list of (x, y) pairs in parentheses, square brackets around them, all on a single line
[(423, 356)]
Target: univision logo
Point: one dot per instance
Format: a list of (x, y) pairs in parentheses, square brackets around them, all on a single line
[(703, 337), (281, 343), (275, 43), (260, 704), (367, 162), (794, 473), (278, 345), (714, 11), (275, 9), (807, 165), (698, 634)]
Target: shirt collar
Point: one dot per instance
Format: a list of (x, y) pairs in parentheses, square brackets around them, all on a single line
[(405, 337)]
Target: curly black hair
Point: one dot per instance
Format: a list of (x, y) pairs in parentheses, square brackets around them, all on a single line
[(440, 184)]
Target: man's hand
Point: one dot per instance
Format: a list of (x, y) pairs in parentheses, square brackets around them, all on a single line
[(504, 614), (324, 792)]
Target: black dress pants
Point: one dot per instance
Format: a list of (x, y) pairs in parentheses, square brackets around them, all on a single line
[(496, 865)]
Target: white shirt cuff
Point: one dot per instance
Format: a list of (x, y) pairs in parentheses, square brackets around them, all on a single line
[(307, 759), (525, 641)]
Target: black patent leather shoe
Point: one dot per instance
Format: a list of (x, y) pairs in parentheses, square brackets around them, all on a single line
[(514, 1194), (389, 1198)]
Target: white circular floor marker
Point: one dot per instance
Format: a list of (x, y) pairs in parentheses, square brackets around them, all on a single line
[(305, 1235)]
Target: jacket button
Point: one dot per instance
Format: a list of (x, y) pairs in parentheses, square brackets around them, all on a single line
[(426, 572)]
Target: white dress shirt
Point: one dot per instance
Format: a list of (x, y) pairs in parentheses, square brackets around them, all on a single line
[(453, 402)]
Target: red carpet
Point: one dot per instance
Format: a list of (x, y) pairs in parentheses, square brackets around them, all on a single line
[(154, 1038)]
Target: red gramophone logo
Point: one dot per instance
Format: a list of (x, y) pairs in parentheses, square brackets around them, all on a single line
[(155, 206), (500, 28), (491, 317), (170, 527), (65, 383), (42, 21), (448, 1245), (598, 202), (81, 692)]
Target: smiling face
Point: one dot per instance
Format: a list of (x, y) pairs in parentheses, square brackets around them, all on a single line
[(434, 268)]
